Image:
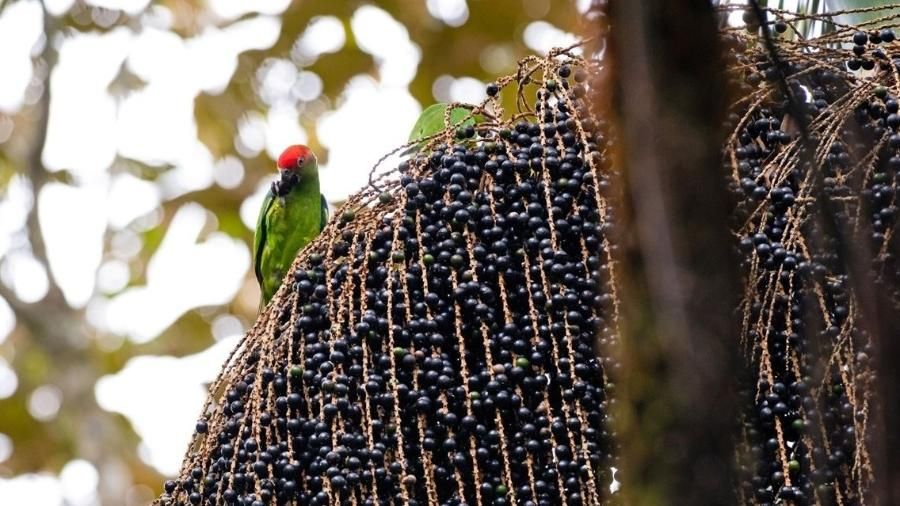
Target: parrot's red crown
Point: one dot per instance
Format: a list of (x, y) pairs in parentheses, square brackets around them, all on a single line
[(294, 157)]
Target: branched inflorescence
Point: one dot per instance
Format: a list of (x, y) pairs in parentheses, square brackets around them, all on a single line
[(436, 344), (816, 177)]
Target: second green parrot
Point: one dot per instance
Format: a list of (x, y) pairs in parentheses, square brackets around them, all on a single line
[(293, 213)]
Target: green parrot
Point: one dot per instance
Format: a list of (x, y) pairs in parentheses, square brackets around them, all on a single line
[(293, 213)]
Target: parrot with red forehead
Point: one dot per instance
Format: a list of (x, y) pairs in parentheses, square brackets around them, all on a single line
[(293, 213)]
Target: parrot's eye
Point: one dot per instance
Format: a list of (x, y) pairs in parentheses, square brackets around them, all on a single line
[(300, 162)]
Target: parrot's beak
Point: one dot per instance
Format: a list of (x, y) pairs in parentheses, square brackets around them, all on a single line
[(289, 177)]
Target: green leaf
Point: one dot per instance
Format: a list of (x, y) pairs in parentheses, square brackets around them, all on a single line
[(432, 120)]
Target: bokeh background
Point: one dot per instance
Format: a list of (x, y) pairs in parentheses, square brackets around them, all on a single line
[(136, 144)]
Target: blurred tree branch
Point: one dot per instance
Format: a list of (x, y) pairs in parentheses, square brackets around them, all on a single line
[(57, 329)]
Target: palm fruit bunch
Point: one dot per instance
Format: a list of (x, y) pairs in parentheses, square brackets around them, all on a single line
[(814, 157), (435, 345), (449, 338)]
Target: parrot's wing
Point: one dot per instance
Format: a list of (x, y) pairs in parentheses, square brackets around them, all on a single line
[(324, 215), (259, 239)]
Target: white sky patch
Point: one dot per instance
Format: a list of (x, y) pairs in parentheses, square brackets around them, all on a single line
[(129, 197), (469, 90), (14, 207), (450, 12), (307, 86), (7, 320), (156, 124), (497, 58), (73, 220), (113, 276), (82, 114), (95, 314), (387, 40), (6, 447), (736, 18), (227, 326), (276, 78), (9, 382), (44, 402), (148, 221), (193, 172), (282, 130), (324, 34), (157, 16), (440, 89), (182, 275), (152, 52), (43, 489), (251, 134), (541, 37), (125, 244), (58, 7), (21, 24), (233, 9), (229, 172), (371, 120), (250, 207), (79, 479), (213, 54), (163, 411), (129, 6), (25, 275)]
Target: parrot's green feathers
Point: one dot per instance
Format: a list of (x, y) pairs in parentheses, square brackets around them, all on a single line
[(286, 224), (324, 214), (259, 238)]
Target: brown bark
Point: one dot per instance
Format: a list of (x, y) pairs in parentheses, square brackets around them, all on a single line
[(680, 280)]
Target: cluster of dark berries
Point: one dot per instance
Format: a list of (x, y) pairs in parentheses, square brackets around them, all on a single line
[(438, 348), (438, 345), (867, 51), (810, 172)]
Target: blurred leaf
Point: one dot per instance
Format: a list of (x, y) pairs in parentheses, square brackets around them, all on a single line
[(217, 118), (858, 17), (7, 171), (432, 120), (230, 223)]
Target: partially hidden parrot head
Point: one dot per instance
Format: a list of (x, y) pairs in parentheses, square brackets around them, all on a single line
[(297, 159)]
